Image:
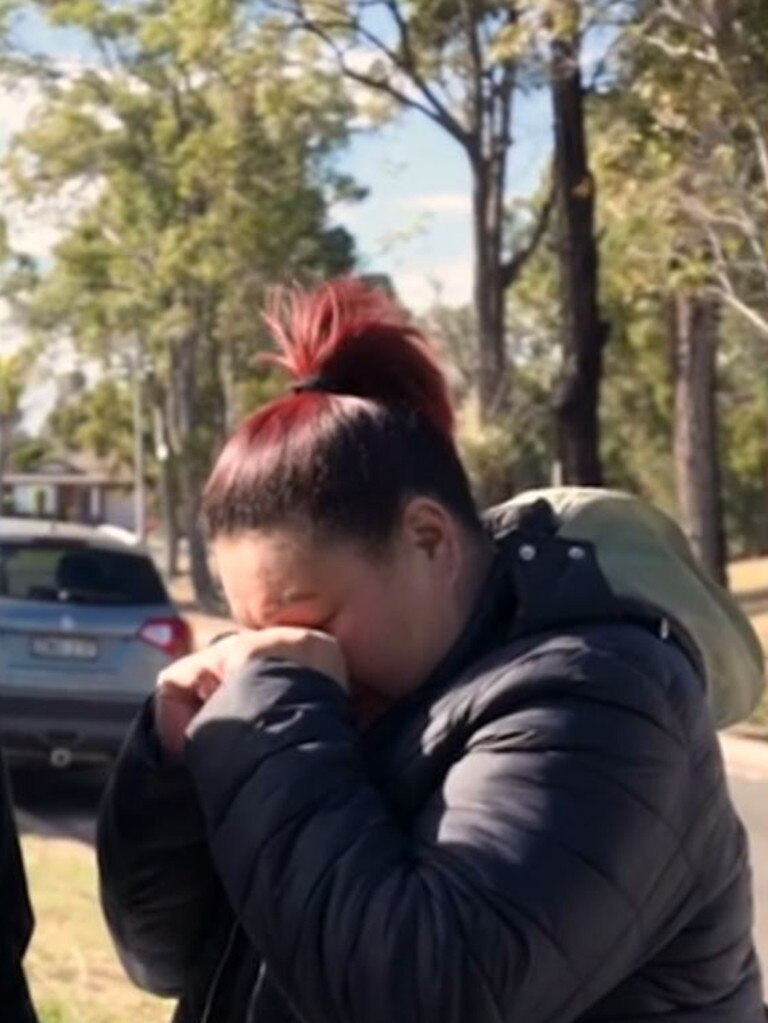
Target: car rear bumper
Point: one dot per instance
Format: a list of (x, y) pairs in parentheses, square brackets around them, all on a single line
[(86, 726)]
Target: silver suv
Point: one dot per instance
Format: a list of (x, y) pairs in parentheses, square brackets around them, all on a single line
[(86, 624)]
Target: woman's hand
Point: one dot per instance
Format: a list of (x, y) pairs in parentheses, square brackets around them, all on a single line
[(183, 687)]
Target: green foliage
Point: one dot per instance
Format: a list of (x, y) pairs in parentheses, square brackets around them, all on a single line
[(683, 206), (744, 451), (210, 172), (13, 375), (28, 453), (202, 150), (98, 422), (516, 451), (507, 456)]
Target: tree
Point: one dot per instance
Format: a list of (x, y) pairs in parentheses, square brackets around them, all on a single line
[(584, 330), (459, 63), (744, 416), (17, 361), (656, 150), (714, 99), (13, 380), (98, 422), (725, 43), (694, 341), (211, 178), (29, 452)]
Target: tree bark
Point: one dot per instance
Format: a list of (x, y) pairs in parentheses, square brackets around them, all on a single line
[(489, 287), (202, 581), (185, 364), (694, 337), (584, 331)]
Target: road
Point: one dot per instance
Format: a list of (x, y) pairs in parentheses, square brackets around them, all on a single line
[(747, 762), (66, 804)]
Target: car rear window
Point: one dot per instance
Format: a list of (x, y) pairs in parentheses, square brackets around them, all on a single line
[(74, 574)]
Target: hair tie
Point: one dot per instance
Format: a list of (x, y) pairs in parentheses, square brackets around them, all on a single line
[(317, 383)]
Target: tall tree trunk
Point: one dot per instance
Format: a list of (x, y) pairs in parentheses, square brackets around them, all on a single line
[(202, 581), (489, 285), (189, 476), (584, 331), (694, 336)]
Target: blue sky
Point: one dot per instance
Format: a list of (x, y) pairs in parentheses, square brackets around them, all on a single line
[(415, 224)]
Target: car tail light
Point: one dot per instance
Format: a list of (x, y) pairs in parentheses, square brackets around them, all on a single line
[(171, 635)]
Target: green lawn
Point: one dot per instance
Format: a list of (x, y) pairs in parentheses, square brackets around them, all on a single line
[(74, 974)]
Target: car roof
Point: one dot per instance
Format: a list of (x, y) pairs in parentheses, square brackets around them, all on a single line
[(102, 537)]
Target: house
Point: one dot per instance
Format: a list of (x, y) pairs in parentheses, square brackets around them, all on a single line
[(74, 489)]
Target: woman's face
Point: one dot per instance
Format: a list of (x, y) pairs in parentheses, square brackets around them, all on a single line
[(394, 614)]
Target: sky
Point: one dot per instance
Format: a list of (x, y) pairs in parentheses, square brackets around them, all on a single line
[(415, 224)]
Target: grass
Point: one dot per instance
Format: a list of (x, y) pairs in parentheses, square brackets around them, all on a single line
[(74, 973)]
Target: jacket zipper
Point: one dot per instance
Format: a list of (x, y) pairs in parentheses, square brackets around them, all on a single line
[(206, 1016), (251, 1013), (251, 1008)]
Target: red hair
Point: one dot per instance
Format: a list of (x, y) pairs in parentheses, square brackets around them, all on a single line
[(369, 419), (360, 342)]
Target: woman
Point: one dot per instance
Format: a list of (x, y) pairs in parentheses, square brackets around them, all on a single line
[(379, 801)]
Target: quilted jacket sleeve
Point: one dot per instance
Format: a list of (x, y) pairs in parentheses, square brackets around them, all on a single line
[(159, 891), (545, 870)]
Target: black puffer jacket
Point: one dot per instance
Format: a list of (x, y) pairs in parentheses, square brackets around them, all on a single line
[(15, 915), (541, 834)]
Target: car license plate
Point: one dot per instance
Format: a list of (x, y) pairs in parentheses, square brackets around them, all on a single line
[(71, 648)]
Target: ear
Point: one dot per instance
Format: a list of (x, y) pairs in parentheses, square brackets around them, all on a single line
[(429, 529)]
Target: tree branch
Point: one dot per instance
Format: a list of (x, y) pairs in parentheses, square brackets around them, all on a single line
[(476, 58), (709, 221), (410, 66), (430, 105), (726, 290), (512, 269), (439, 115), (759, 322)]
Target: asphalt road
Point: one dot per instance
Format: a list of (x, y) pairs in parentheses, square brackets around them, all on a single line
[(66, 803), (747, 762)]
